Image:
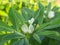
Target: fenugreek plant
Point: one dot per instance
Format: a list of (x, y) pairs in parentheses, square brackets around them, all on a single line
[(31, 27)]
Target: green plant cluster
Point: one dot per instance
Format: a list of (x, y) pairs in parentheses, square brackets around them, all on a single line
[(29, 27)]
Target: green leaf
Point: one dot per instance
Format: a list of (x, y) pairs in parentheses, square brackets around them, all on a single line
[(41, 27), (7, 37), (49, 7), (26, 41), (33, 41), (5, 27), (55, 8), (53, 24), (21, 42), (37, 38), (50, 25), (39, 14), (17, 41), (54, 42), (14, 17), (2, 42), (27, 13), (40, 18), (11, 36), (50, 34), (57, 14)]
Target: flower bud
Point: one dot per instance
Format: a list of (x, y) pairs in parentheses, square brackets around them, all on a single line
[(51, 14)]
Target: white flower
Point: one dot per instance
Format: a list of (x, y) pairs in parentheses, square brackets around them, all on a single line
[(24, 28), (31, 21), (51, 14), (27, 29), (31, 29)]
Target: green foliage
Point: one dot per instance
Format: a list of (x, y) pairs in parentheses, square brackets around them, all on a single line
[(45, 29)]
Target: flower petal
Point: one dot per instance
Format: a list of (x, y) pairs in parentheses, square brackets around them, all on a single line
[(31, 21), (24, 28), (31, 29)]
